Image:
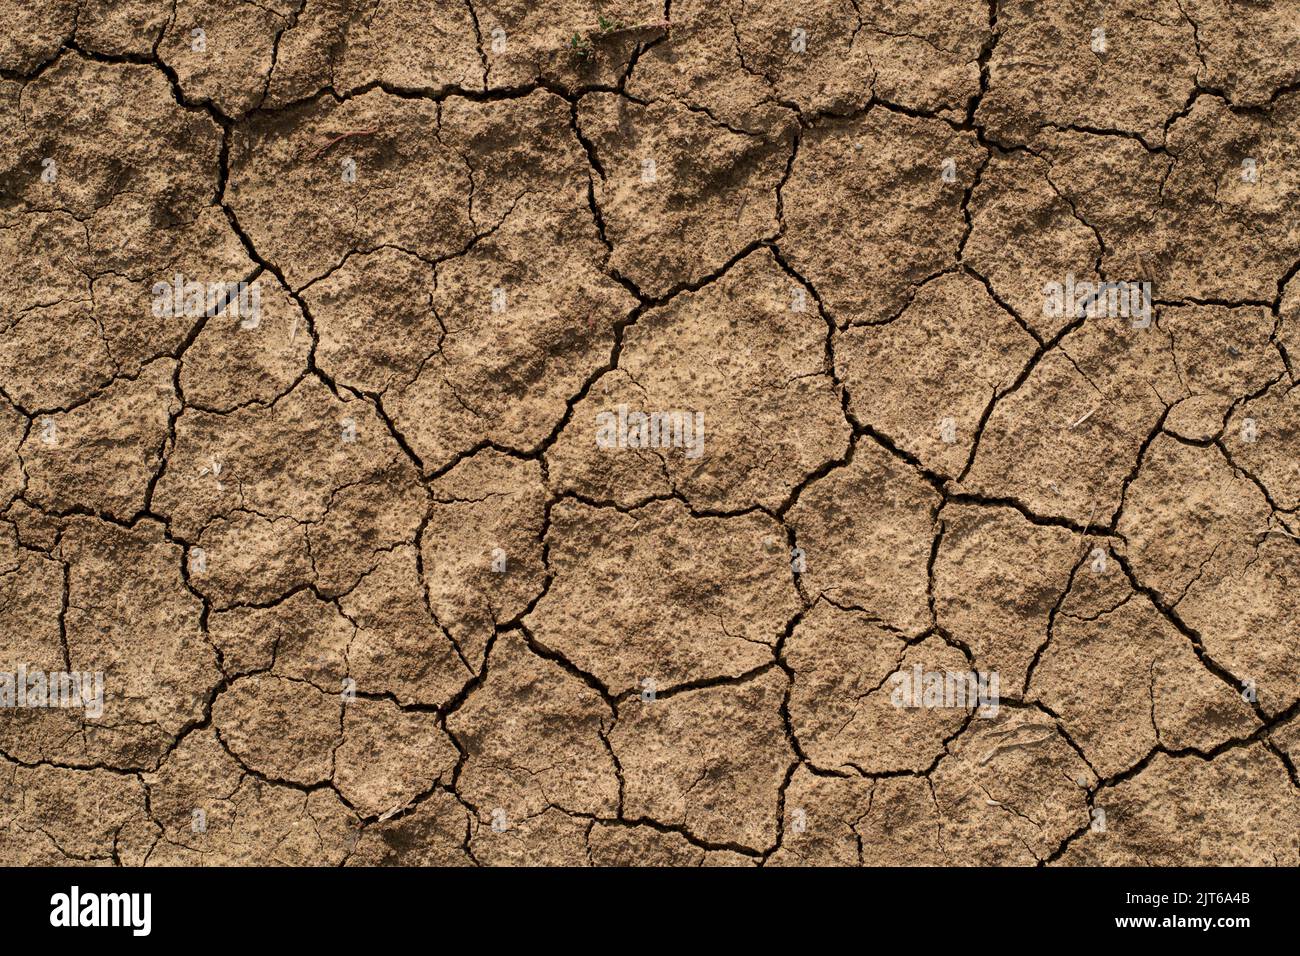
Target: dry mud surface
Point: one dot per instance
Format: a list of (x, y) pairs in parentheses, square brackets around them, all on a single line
[(364, 583)]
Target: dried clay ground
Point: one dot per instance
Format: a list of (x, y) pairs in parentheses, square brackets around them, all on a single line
[(364, 588)]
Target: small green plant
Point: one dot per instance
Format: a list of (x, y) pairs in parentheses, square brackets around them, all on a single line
[(580, 45)]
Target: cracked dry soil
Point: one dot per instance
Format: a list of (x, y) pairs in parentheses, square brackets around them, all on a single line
[(363, 585)]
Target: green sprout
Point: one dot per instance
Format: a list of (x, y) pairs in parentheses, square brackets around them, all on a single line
[(581, 46), (581, 43)]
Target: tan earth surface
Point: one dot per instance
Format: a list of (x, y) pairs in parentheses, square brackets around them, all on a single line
[(376, 564)]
